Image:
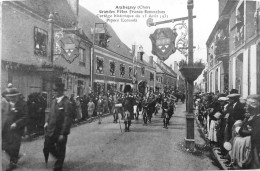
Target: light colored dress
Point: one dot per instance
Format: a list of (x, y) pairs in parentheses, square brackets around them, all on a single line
[(91, 108), (78, 109)]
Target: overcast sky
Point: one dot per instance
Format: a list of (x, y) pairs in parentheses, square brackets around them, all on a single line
[(206, 12)]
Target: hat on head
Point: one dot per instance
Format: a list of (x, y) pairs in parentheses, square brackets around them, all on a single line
[(253, 100), (13, 92), (10, 85), (233, 91), (59, 86), (233, 96), (223, 99)]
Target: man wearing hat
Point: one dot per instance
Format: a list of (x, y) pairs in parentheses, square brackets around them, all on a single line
[(252, 118), (236, 112), (57, 126), (14, 125), (128, 105)]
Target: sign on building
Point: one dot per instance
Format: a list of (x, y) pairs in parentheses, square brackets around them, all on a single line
[(163, 43), (66, 45)]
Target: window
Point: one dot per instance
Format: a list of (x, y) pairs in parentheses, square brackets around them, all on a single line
[(122, 70), (142, 71), (112, 68), (140, 55), (40, 42), (100, 65), (151, 76), (211, 61), (121, 87), (239, 37), (69, 83), (130, 72), (82, 55)]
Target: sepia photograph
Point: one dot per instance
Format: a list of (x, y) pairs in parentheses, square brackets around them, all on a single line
[(130, 85)]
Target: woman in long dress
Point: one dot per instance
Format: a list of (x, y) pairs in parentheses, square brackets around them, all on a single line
[(78, 109), (91, 107)]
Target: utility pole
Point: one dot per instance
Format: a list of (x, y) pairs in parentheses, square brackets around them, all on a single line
[(190, 142), (50, 84)]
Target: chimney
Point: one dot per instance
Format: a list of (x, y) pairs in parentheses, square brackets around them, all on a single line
[(171, 66), (74, 5), (151, 60)]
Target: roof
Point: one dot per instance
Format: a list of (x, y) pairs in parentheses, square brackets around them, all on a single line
[(43, 8), (160, 69), (87, 21), (170, 69)]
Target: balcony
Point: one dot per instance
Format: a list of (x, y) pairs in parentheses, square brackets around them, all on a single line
[(221, 48)]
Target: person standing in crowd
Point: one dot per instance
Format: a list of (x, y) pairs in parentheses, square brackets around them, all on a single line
[(252, 118), (5, 108), (91, 107), (100, 108), (111, 105), (57, 126), (236, 112), (84, 107), (13, 127), (73, 104), (78, 109)]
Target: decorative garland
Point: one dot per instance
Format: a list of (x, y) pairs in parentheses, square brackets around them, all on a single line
[(28, 67), (18, 66)]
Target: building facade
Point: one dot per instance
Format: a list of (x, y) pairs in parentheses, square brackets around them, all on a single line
[(26, 59), (166, 78), (233, 48)]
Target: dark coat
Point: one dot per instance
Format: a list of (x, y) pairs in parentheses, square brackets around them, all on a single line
[(60, 118), (128, 105), (18, 115), (236, 113)]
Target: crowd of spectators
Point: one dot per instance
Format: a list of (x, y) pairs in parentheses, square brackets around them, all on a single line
[(231, 125)]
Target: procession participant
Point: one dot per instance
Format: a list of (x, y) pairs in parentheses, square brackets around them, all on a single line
[(139, 106), (135, 106), (14, 125), (171, 109), (151, 107), (100, 108), (128, 105), (118, 107), (144, 111), (166, 116), (57, 126), (111, 105), (164, 106)]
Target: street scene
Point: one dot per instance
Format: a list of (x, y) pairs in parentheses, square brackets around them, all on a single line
[(105, 147), (130, 85)]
